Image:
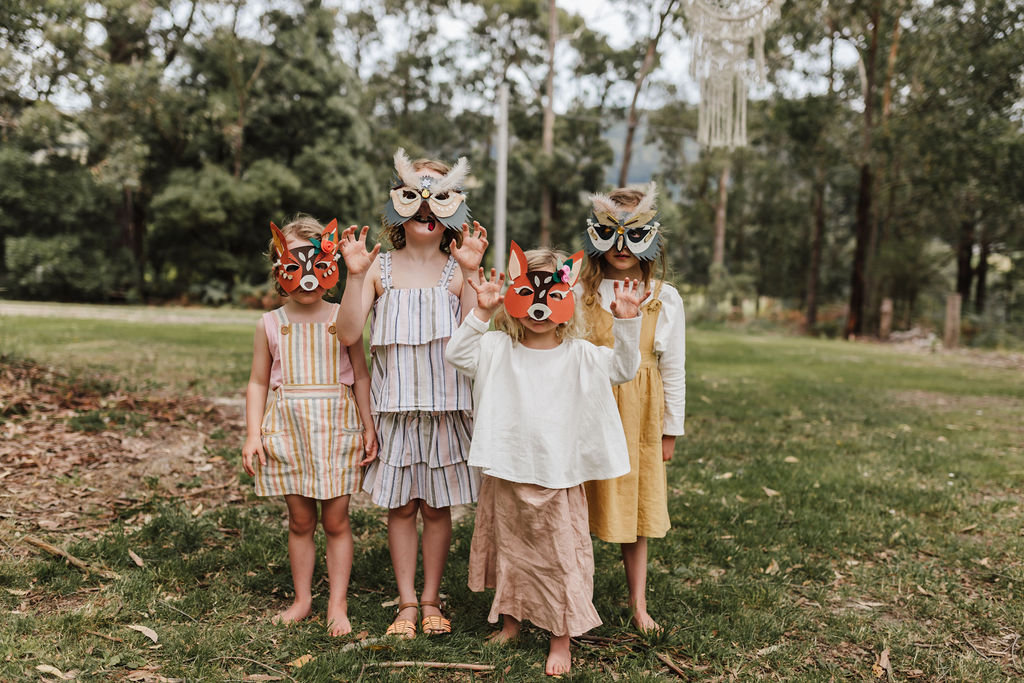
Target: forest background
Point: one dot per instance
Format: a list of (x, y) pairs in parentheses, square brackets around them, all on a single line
[(145, 146)]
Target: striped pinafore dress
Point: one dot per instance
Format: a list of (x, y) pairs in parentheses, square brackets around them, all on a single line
[(421, 405), (311, 429)]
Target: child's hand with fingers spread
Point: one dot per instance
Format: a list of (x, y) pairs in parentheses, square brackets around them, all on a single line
[(253, 447), (353, 250), (471, 254), (488, 293), (627, 299)]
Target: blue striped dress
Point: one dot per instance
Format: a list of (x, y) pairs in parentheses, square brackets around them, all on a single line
[(421, 406)]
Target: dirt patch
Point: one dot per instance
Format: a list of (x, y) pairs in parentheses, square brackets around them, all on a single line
[(74, 454)]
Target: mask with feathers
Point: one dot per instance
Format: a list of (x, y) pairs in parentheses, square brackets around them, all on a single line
[(413, 194), (636, 230)]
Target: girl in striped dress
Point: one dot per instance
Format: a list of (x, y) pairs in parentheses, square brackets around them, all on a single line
[(310, 440), (422, 409)]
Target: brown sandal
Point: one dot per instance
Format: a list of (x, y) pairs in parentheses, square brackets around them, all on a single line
[(403, 628), (435, 624)]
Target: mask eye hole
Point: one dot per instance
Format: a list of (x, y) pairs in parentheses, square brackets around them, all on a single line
[(523, 291), (292, 268), (636, 233), (322, 265), (441, 197), (557, 296), (409, 194), (607, 231)]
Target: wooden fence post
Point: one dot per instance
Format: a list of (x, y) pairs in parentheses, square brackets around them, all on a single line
[(952, 336)]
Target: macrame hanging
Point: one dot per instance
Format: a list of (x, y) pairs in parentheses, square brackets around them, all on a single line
[(722, 32)]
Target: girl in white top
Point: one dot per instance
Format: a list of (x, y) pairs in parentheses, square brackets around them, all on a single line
[(545, 421)]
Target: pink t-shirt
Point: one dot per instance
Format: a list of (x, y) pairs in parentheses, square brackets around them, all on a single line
[(273, 331)]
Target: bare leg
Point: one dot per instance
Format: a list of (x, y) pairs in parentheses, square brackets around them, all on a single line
[(301, 554), (559, 659), (509, 630), (339, 562), (403, 541), (437, 537), (634, 558)]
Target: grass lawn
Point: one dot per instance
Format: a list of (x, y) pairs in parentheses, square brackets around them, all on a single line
[(839, 511)]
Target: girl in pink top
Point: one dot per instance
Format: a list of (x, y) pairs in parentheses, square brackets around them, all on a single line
[(310, 440)]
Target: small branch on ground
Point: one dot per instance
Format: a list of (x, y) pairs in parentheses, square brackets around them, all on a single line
[(253, 661), (431, 665), (670, 664), (60, 552)]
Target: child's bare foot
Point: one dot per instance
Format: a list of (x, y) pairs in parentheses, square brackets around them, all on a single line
[(644, 623), (559, 660), (297, 612), (509, 631), (337, 620)]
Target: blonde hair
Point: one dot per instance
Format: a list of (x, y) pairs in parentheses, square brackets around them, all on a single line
[(594, 269), (395, 234), (301, 226), (547, 260)]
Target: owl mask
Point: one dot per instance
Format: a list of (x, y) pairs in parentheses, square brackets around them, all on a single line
[(307, 267), (540, 294), (636, 230), (443, 196)]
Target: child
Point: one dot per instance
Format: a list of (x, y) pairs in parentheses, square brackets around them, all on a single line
[(544, 422), (622, 241), (421, 407), (307, 440)]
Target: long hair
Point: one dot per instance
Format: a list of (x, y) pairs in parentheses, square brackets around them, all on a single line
[(395, 234), (548, 260)]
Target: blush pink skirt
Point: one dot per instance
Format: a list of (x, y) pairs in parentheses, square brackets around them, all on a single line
[(532, 546)]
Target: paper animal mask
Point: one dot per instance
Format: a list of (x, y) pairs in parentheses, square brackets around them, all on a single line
[(612, 228), (307, 267), (540, 294), (443, 196)]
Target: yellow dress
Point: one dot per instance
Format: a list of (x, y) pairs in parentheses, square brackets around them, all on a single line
[(635, 504)]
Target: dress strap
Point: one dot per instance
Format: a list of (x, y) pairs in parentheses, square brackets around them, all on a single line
[(385, 270), (448, 272)]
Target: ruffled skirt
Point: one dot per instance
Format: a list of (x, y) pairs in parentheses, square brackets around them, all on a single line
[(422, 455)]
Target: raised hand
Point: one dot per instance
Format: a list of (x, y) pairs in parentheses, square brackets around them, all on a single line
[(488, 293), (353, 250), (471, 254), (627, 299)]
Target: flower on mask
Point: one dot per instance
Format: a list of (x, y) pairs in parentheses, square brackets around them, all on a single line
[(562, 274), (328, 247)]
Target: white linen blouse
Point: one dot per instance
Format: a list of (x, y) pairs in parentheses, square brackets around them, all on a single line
[(546, 416)]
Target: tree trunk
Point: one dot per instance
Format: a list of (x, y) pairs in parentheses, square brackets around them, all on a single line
[(817, 233), (862, 232), (131, 226), (718, 251), (964, 252), (548, 134), (981, 274), (645, 69)]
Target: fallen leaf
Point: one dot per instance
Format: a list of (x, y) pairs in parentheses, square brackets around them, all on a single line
[(261, 677), (136, 559), (144, 630), (791, 459), (724, 475), (772, 568), (301, 661), (768, 650), (362, 635), (970, 527), (705, 399), (197, 509), (922, 591), (52, 670), (915, 673), (769, 492), (391, 603), (16, 591), (882, 666), (984, 562)]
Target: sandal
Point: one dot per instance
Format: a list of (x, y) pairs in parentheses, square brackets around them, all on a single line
[(403, 628), (435, 624)]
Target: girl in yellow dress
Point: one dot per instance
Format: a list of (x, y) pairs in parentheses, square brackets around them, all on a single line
[(623, 242)]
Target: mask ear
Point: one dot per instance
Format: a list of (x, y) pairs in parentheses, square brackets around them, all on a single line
[(516, 262), (280, 243), (331, 231), (577, 266)]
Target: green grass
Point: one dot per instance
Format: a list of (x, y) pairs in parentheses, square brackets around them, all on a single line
[(210, 358), (829, 502)]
